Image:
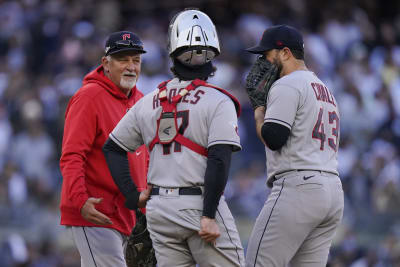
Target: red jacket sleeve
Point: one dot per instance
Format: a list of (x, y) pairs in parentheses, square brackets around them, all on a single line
[(79, 135)]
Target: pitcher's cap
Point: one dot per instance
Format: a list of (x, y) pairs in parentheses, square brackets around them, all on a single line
[(278, 37)]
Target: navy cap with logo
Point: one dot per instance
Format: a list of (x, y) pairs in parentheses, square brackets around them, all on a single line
[(278, 37), (123, 41)]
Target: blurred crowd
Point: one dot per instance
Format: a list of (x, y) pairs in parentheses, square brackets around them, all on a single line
[(47, 46)]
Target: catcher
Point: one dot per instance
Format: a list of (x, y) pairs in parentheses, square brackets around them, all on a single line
[(190, 128), (297, 119)]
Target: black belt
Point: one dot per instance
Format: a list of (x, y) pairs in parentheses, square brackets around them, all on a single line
[(182, 191)]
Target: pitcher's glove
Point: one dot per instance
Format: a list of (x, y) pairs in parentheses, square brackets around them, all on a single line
[(259, 80), (139, 251)]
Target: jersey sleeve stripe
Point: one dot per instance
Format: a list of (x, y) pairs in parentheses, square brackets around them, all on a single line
[(120, 143), (237, 145), (278, 121)]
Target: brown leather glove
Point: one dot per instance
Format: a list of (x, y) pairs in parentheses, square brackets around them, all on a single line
[(139, 251), (259, 80)]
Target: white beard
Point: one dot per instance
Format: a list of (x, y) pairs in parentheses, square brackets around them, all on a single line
[(127, 83)]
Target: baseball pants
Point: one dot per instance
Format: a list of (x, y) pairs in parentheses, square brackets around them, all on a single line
[(174, 221), (99, 247), (298, 221)]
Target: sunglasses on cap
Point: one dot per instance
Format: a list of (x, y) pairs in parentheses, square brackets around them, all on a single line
[(123, 45), (128, 43)]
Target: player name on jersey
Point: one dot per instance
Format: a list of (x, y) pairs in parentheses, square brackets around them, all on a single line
[(190, 97), (322, 93)]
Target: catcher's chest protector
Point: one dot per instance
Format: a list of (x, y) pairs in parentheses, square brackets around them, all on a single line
[(167, 126)]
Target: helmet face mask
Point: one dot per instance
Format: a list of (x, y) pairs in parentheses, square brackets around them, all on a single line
[(196, 56), (193, 39)]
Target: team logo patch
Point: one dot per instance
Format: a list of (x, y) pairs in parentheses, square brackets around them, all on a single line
[(126, 36)]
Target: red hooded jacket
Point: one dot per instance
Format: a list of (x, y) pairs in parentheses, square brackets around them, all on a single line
[(91, 115)]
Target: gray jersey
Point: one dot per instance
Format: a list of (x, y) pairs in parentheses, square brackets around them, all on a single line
[(301, 102), (205, 116)]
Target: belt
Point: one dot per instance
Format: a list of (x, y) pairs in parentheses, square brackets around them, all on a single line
[(182, 191)]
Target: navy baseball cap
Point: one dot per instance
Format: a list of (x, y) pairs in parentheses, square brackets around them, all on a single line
[(123, 41), (278, 37)]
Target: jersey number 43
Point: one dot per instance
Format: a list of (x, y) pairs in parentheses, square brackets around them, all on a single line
[(319, 130)]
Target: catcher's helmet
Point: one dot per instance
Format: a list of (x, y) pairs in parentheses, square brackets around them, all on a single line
[(193, 39)]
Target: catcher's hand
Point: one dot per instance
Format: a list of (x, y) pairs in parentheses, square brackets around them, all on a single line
[(259, 80), (139, 251)]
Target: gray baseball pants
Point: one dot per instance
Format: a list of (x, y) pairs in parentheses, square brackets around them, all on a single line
[(174, 221), (298, 221), (99, 246)]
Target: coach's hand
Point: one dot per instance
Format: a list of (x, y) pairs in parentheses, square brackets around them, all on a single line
[(209, 230), (92, 215)]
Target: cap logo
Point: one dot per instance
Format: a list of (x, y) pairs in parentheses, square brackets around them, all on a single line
[(126, 36), (279, 43)]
